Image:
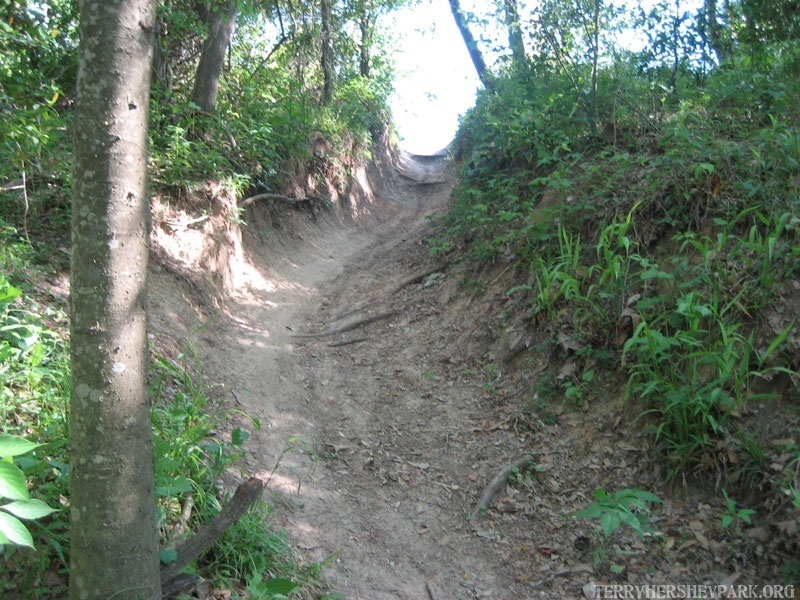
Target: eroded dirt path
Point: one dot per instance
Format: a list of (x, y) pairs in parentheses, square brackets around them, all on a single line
[(381, 422), (392, 390)]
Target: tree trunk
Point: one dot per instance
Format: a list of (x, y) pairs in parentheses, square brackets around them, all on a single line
[(515, 41), (365, 28), (595, 58), (714, 30), (221, 19), (472, 45), (327, 52), (114, 538)]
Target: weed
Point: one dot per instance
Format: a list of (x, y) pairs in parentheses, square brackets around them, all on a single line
[(626, 507), (734, 514)]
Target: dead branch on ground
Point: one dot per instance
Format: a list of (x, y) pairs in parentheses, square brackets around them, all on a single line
[(347, 342), (282, 198), (498, 482), (349, 326)]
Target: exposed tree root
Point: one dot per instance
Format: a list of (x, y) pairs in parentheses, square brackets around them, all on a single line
[(414, 279), (349, 326), (347, 342), (282, 198), (498, 482)]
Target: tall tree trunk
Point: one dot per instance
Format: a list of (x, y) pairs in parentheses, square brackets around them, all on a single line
[(327, 52), (714, 30), (221, 19), (595, 59), (472, 46), (365, 27), (114, 538), (515, 41)]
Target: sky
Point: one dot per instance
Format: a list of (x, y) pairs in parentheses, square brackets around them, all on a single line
[(436, 81)]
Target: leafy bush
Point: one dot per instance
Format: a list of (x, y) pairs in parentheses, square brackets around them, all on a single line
[(14, 488)]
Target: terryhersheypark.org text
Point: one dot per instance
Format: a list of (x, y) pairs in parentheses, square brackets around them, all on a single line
[(690, 591)]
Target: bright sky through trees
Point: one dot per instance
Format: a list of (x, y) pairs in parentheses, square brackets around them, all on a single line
[(436, 81)]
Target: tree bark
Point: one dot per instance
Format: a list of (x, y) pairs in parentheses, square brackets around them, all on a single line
[(714, 30), (114, 538), (515, 41), (246, 495), (595, 58), (327, 52), (365, 27), (221, 19), (471, 44)]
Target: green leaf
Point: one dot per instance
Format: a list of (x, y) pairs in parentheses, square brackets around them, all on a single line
[(28, 509), (610, 522), (726, 521), (15, 531), (12, 482), (239, 436), (592, 511), (7, 291), (173, 487), (168, 555), (277, 585), (12, 445)]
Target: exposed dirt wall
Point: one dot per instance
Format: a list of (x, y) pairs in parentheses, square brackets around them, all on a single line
[(205, 247)]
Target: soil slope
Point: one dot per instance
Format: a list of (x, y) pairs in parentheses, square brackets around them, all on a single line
[(389, 408)]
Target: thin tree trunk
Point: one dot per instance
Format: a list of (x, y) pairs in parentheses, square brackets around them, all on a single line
[(471, 44), (114, 538), (595, 60), (221, 19), (515, 41), (365, 28), (327, 52), (714, 30)]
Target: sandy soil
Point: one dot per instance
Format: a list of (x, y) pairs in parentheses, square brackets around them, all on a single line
[(388, 407)]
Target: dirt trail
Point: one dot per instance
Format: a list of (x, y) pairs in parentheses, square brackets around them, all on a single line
[(381, 419), (392, 390)]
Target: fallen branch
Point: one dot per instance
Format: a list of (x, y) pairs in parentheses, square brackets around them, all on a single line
[(347, 342), (431, 594), (414, 279), (245, 496), (498, 482), (282, 197), (183, 523), (349, 326)]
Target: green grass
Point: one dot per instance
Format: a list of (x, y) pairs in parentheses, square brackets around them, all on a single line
[(688, 227)]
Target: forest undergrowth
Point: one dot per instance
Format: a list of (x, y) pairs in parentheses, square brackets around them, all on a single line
[(270, 133)]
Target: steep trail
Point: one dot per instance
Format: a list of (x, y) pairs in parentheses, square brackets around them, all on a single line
[(391, 398), (379, 423)]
